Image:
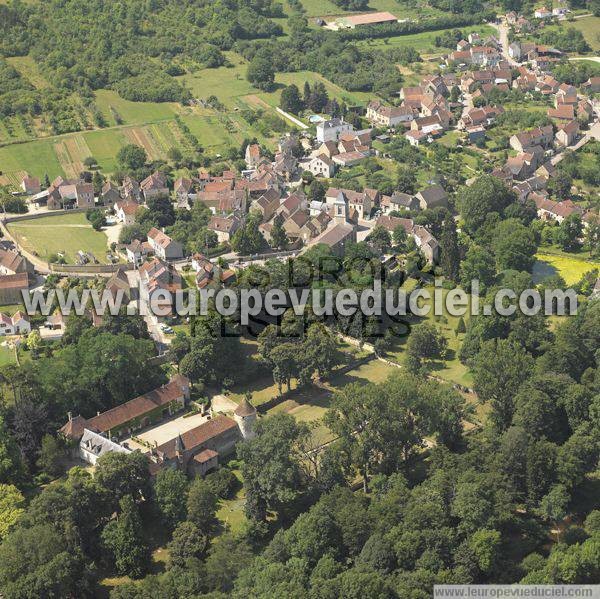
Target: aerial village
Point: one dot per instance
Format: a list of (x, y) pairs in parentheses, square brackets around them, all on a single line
[(296, 198), (270, 188)]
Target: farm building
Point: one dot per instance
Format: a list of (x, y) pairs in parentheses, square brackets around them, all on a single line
[(372, 18)]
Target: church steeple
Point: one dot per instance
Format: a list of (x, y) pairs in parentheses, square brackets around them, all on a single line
[(179, 447)]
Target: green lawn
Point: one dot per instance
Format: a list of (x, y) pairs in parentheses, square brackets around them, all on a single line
[(402, 10), (311, 403), (36, 157), (104, 146), (571, 267), (299, 78), (133, 113), (62, 233), (227, 83), (451, 370), (424, 42), (7, 354), (317, 8), (451, 139), (590, 27), (231, 511)]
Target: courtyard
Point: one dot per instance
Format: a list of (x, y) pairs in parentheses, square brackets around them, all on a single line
[(167, 430)]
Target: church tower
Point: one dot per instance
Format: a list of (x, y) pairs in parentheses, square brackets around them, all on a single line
[(341, 214)]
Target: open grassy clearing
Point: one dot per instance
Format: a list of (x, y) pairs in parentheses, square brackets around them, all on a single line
[(36, 157), (402, 10), (29, 70), (424, 42), (65, 233), (316, 8), (227, 82), (311, 403), (298, 78), (7, 354), (414, 73), (231, 511), (451, 369), (571, 267), (104, 146), (133, 113), (590, 28)]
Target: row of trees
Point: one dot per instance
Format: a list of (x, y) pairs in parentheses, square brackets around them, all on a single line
[(313, 98)]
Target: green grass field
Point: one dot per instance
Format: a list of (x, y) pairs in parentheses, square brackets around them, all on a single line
[(424, 42), (571, 267), (451, 369), (402, 10), (133, 113), (229, 84), (231, 511), (29, 70), (7, 354), (36, 157), (66, 233), (316, 8), (333, 90), (590, 28)]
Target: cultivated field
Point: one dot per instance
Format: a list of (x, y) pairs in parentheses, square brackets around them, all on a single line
[(65, 233), (37, 158)]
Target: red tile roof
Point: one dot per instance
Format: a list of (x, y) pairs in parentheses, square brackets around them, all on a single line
[(199, 435)]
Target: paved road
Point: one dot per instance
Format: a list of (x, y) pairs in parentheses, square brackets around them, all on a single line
[(291, 118), (502, 28), (154, 330), (593, 133), (40, 265), (591, 58)]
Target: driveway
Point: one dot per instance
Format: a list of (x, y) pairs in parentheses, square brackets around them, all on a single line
[(113, 232), (591, 58), (593, 133)]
